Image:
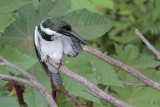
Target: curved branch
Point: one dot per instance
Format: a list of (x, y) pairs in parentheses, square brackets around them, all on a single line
[(124, 67), (102, 95), (11, 86), (7, 63), (33, 81), (6, 77), (134, 85), (150, 47)]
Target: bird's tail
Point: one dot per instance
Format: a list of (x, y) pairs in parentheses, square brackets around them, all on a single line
[(56, 79)]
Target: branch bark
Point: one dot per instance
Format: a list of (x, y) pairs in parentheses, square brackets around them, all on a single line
[(6, 77), (102, 95), (124, 67), (134, 85), (32, 82), (150, 47)]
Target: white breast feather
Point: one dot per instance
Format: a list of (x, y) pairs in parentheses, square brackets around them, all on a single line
[(36, 33), (53, 49)]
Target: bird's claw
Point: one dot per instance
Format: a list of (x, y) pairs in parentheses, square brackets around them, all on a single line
[(48, 58), (57, 64), (60, 64)]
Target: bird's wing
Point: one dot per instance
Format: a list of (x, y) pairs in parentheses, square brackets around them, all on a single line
[(71, 46), (36, 42), (73, 34), (38, 51)]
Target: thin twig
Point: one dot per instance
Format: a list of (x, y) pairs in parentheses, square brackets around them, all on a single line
[(6, 77), (74, 99), (33, 81), (124, 67), (7, 63), (134, 85), (11, 86), (150, 47), (2, 64), (108, 98)]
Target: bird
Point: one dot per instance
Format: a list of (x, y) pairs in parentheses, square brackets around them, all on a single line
[(54, 37)]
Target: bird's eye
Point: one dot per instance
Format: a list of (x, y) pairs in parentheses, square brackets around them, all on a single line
[(66, 28)]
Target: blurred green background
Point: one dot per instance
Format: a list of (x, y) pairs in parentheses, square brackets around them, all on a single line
[(107, 25)]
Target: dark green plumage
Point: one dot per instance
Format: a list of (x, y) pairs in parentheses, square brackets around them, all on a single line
[(61, 27), (55, 24)]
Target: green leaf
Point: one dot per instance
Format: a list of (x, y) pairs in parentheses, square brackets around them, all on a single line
[(8, 102), (15, 57), (126, 37), (156, 12), (138, 97), (149, 62), (131, 57), (104, 3), (87, 24), (75, 89), (11, 5), (6, 9), (105, 73), (60, 8), (81, 4), (119, 26), (152, 74), (124, 12), (5, 21), (35, 3), (3, 88), (33, 98)]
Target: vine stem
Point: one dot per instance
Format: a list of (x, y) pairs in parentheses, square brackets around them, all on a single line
[(54, 90)]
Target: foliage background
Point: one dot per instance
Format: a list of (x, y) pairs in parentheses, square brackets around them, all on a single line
[(107, 25)]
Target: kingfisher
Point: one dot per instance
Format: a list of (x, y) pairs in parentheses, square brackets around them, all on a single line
[(53, 38)]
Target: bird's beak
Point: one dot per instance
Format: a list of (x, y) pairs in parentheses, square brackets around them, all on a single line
[(73, 34)]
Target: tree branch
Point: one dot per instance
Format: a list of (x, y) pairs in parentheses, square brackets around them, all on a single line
[(150, 47), (124, 67), (6, 77), (134, 85), (32, 82), (11, 86), (108, 98), (7, 63)]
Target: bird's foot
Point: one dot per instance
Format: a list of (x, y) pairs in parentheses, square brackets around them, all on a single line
[(60, 64), (57, 64), (48, 57)]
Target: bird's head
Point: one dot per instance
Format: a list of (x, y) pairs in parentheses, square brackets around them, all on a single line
[(56, 27), (53, 27)]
